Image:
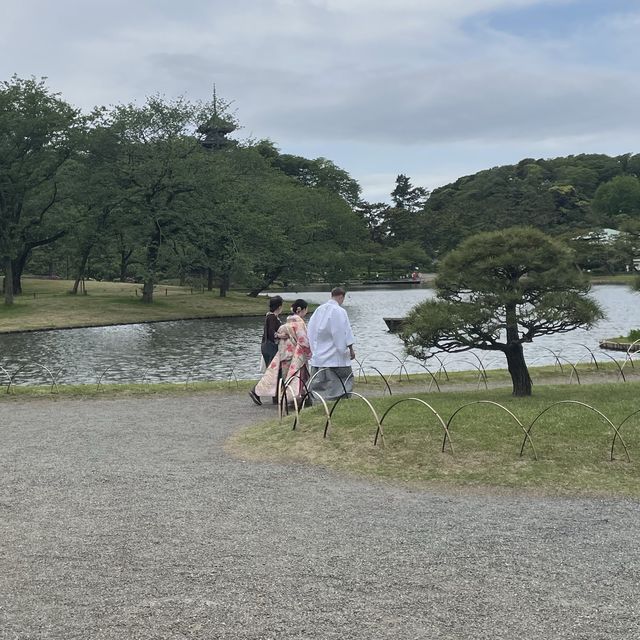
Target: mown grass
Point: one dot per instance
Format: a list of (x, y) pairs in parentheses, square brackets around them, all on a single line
[(47, 304), (108, 390), (572, 442), (583, 372), (365, 384), (618, 278)]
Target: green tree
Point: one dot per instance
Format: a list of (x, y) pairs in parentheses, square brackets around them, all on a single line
[(407, 197), (306, 232), (95, 193), (299, 218), (552, 195), (618, 197), (319, 173), (497, 291), (159, 153), (405, 219), (404, 258), (230, 216), (376, 217), (37, 132)]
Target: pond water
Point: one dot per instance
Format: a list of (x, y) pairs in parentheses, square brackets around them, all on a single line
[(224, 349)]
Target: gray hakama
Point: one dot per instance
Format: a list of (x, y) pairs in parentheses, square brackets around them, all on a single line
[(331, 382)]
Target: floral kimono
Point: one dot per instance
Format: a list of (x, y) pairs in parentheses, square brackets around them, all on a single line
[(290, 363)]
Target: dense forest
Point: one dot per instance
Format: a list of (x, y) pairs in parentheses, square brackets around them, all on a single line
[(573, 197), (163, 190)]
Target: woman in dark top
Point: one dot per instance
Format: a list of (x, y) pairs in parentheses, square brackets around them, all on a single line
[(269, 346)]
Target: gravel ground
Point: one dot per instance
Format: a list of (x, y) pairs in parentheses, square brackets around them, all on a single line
[(125, 518)]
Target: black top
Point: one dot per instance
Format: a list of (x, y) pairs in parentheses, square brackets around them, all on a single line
[(271, 325)]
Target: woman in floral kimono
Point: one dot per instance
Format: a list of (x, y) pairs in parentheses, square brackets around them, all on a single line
[(290, 363)]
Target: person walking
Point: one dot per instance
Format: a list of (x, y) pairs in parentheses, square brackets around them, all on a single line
[(272, 322), (269, 344), (331, 341)]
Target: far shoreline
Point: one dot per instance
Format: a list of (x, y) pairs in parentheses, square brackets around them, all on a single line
[(47, 306), (128, 323)]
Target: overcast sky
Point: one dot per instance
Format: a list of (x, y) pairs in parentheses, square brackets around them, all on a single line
[(435, 89)]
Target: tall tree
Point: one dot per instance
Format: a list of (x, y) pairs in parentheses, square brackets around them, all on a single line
[(96, 191), (159, 153), (497, 291), (405, 220), (376, 217), (307, 231), (36, 139), (226, 225), (407, 197), (301, 218)]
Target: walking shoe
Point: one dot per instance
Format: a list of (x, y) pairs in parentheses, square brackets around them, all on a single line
[(255, 397)]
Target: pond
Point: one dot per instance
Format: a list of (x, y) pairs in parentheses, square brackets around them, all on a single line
[(224, 349)]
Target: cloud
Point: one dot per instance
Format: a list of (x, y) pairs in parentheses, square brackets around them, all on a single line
[(385, 77), (475, 102), (306, 73)]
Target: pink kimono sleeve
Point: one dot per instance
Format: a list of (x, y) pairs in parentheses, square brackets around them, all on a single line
[(303, 339)]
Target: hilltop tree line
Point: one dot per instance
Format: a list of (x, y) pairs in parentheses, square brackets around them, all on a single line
[(160, 190), (564, 197)]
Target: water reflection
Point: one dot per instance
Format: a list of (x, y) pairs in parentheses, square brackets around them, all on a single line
[(223, 348)]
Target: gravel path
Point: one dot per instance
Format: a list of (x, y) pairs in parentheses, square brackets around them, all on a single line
[(124, 518)]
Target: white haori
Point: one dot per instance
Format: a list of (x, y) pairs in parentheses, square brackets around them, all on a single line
[(330, 335)]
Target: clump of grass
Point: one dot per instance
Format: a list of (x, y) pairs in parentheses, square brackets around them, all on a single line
[(630, 338)]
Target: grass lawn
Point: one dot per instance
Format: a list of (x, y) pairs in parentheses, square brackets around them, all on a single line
[(133, 389), (47, 304), (572, 442), (618, 278)]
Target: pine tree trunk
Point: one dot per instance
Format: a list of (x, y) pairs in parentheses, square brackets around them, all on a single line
[(518, 370), (125, 256), (225, 282), (17, 267), (8, 282), (81, 270), (268, 279), (209, 279), (147, 291), (515, 355), (153, 251)]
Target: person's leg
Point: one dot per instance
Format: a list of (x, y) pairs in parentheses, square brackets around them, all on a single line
[(275, 398), (341, 381), (255, 397), (268, 350), (318, 382)]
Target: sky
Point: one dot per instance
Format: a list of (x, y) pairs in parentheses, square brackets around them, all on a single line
[(433, 89)]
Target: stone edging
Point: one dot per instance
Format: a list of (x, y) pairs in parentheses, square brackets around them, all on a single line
[(619, 346)]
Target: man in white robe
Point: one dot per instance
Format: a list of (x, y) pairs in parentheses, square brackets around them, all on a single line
[(331, 341)]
